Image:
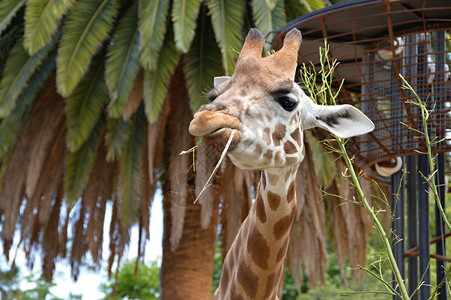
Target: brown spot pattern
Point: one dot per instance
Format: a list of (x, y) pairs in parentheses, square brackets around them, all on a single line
[(272, 283), (296, 136), (268, 155), (291, 192), (258, 248), (283, 250), (260, 208), (248, 280), (289, 147), (273, 179), (278, 158), (283, 225), (258, 150), (273, 200), (266, 136), (278, 134), (291, 160)]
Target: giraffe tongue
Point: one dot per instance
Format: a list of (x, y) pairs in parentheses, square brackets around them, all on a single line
[(206, 122)]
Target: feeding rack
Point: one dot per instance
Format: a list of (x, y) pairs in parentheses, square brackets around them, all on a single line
[(374, 42)]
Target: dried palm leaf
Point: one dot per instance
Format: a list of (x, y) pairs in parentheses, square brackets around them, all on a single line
[(155, 140), (135, 98), (308, 235), (96, 194), (51, 238)]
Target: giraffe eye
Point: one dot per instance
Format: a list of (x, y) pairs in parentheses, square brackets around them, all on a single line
[(287, 103)]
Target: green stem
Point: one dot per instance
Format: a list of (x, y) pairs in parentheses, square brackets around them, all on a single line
[(375, 221), (431, 178)]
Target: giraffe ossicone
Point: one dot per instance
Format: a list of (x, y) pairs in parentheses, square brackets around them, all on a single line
[(269, 112)]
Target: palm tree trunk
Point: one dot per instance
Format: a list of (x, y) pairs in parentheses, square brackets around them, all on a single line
[(188, 249), (187, 273)]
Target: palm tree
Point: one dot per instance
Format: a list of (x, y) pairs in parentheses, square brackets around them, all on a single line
[(95, 99)]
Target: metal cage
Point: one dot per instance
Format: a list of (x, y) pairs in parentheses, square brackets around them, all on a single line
[(374, 42)]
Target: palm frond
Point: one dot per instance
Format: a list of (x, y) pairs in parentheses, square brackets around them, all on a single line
[(152, 28), (202, 63), (122, 64), (117, 134), (227, 17), (312, 5), (136, 97), (266, 19), (184, 15), (8, 9), (130, 167), (87, 26), (11, 125), (271, 4), (7, 41), (156, 82), (293, 9), (42, 18), (79, 164), (18, 70), (84, 106)]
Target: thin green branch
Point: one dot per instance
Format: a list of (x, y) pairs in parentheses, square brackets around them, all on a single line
[(431, 179), (325, 94)]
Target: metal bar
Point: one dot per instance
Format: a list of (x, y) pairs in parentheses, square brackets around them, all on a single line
[(440, 247), (397, 206), (412, 223), (423, 222)]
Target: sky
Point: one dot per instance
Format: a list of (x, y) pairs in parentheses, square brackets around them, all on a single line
[(89, 281)]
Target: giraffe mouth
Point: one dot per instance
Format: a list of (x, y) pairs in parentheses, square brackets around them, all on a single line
[(207, 122), (218, 139)]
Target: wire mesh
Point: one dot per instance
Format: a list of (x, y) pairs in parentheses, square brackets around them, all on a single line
[(374, 41)]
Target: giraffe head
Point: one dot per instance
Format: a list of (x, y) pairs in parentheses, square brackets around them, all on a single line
[(268, 110)]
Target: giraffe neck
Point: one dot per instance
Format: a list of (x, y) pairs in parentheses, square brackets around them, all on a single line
[(254, 264)]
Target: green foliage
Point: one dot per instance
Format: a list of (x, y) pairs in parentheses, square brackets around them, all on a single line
[(8, 9), (85, 105), (18, 71), (117, 134), (122, 64), (10, 126), (312, 5), (131, 159), (156, 82), (266, 19), (152, 28), (227, 17), (184, 15), (87, 26), (202, 63), (41, 21), (10, 281), (143, 284), (79, 164)]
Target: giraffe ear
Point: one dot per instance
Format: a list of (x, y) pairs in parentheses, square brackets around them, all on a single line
[(343, 121)]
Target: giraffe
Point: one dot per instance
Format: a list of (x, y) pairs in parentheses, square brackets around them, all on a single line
[(268, 112)]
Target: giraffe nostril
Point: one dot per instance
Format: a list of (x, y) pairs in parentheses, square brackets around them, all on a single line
[(213, 107), (219, 107)]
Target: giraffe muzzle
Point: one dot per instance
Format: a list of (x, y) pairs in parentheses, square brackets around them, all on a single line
[(206, 122)]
